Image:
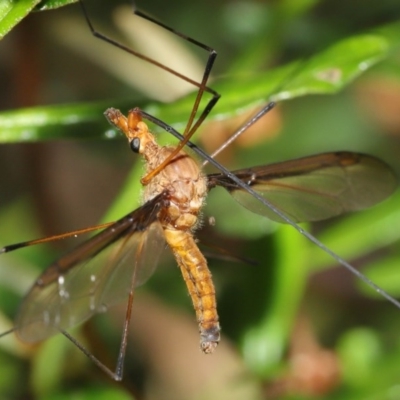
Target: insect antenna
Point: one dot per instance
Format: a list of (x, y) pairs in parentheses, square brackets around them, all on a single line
[(192, 125)]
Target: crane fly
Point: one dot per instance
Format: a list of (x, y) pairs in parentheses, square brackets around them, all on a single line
[(108, 267)]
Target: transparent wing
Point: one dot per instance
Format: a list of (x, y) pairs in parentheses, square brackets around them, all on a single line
[(95, 275), (314, 188)]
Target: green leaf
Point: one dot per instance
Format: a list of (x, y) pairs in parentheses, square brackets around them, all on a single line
[(350, 238), (56, 358), (68, 121), (13, 11), (264, 344), (325, 73), (385, 273), (53, 4), (48, 365), (359, 350)]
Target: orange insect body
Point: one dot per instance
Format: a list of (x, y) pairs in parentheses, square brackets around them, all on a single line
[(186, 186), (109, 266)]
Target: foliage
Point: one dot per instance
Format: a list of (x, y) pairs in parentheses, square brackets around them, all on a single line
[(293, 303)]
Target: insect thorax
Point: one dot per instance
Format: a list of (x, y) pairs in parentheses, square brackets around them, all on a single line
[(186, 185)]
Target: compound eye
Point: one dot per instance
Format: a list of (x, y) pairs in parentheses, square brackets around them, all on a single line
[(135, 145)]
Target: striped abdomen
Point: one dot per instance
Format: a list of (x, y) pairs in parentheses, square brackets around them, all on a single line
[(201, 288)]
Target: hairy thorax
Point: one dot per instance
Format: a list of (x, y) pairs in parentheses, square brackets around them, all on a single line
[(186, 185)]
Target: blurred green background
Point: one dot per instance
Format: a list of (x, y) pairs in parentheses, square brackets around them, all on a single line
[(295, 326)]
